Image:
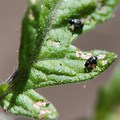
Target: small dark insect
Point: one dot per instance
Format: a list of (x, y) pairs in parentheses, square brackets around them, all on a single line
[(5, 110), (75, 24), (47, 103), (91, 62), (60, 64)]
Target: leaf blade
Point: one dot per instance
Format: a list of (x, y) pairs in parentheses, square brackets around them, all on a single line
[(47, 43), (30, 104), (70, 69)]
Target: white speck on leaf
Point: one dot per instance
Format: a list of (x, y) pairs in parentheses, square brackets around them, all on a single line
[(43, 113), (83, 55), (31, 16), (104, 62), (57, 44), (78, 53), (101, 56), (38, 104), (86, 55), (42, 6)]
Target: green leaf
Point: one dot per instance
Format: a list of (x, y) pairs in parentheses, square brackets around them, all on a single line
[(46, 55), (69, 69), (29, 104), (39, 65), (34, 28), (48, 21), (108, 105)]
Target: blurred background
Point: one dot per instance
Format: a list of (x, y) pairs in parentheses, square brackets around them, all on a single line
[(73, 101)]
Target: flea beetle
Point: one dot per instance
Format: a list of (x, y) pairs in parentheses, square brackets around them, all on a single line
[(75, 24), (91, 62)]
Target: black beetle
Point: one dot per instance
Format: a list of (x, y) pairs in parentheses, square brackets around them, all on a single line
[(91, 62), (77, 23)]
